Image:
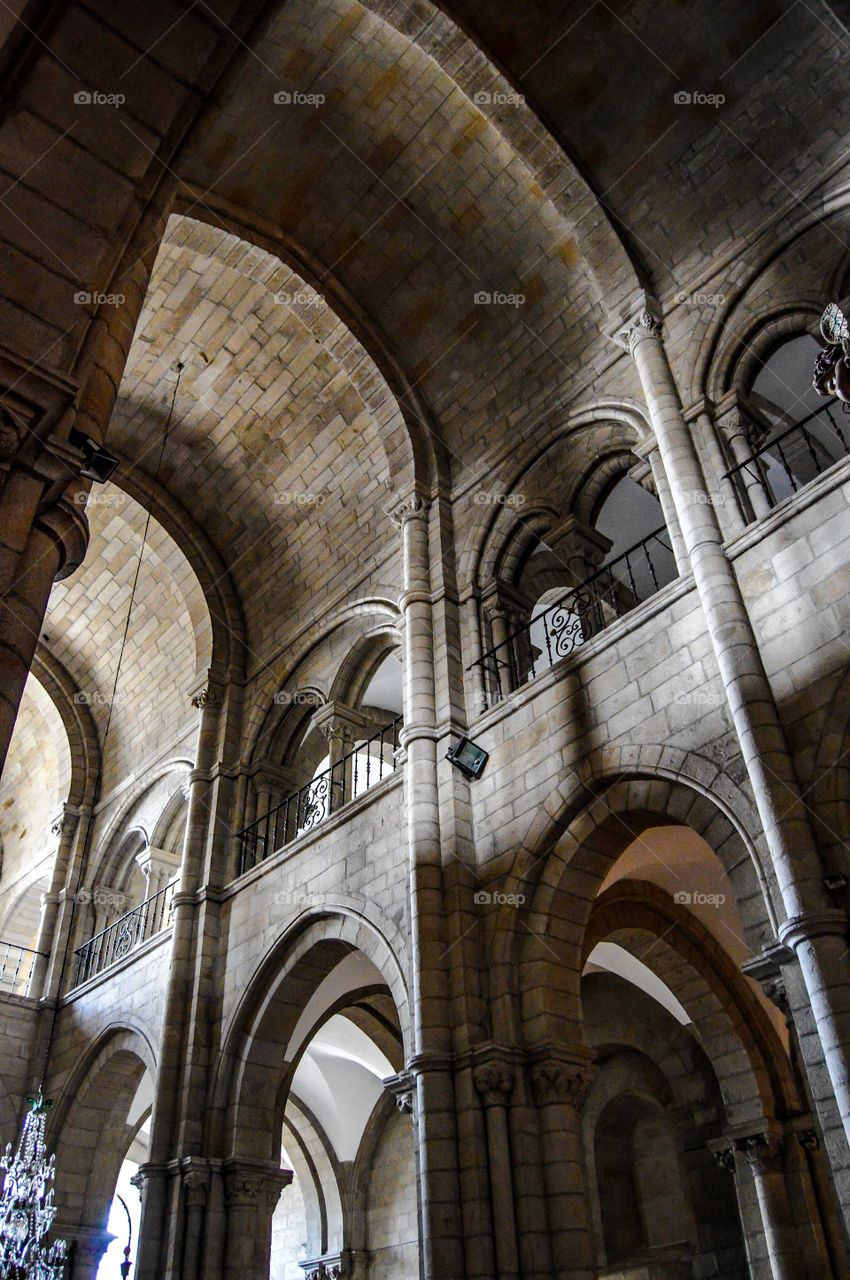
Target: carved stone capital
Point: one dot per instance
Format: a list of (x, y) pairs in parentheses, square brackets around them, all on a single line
[(558, 1081), (646, 322), (211, 695), (254, 1185), (403, 1089), (412, 506), (330, 1267), (725, 1158), (494, 1082), (762, 1152), (196, 1183)]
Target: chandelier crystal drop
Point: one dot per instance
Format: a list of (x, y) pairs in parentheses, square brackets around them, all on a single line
[(26, 1205)]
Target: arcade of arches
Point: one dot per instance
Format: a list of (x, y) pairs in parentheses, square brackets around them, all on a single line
[(376, 376)]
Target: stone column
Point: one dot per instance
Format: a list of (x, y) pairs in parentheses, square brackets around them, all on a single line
[(65, 827), (441, 1226), (561, 1086), (159, 867), (721, 491), (43, 529), (814, 928), (342, 726), (763, 1153), (654, 480), (726, 1157), (196, 1185), (737, 427), (251, 1191), (86, 1247), (494, 1082)]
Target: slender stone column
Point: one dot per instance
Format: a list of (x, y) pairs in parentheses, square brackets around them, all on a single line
[(561, 1087), (736, 426), (763, 1154), (251, 1192), (661, 488), (721, 490), (65, 827), (196, 1185), (815, 929), (495, 1083), (438, 1173), (727, 1158)]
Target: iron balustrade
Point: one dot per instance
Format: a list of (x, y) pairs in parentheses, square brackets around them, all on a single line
[(581, 613), (124, 935), (16, 965), (784, 463), (302, 810)]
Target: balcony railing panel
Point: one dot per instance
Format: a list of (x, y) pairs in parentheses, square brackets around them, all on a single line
[(124, 935), (581, 613), (16, 965), (348, 778), (784, 463)]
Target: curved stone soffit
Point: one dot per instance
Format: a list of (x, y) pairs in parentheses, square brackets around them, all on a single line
[(83, 741)]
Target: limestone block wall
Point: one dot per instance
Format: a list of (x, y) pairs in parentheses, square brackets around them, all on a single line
[(19, 1019), (391, 1216)]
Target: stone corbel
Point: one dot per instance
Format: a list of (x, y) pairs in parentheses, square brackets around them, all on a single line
[(403, 1089), (332, 1266)]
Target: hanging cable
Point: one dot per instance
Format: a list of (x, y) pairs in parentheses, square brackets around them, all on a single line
[(89, 820)]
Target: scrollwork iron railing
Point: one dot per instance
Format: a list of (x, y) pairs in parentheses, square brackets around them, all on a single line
[(582, 612), (16, 965), (784, 463), (357, 771), (124, 935)]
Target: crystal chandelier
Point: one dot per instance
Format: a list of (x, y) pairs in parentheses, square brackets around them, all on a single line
[(26, 1205)]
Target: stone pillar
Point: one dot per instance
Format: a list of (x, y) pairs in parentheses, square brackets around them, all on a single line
[(560, 1087), (814, 928), (159, 867), (726, 1157), (43, 529), (65, 828), (507, 610), (342, 726), (196, 1185), (251, 1191), (738, 430), (86, 1246), (441, 1226), (494, 1082), (715, 463), (763, 1154), (654, 480)]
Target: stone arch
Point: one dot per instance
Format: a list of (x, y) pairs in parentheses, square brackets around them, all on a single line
[(490, 532), (412, 441), (362, 661), (79, 724), (577, 836), (89, 1130), (249, 1095), (736, 365), (752, 1069), (106, 859)]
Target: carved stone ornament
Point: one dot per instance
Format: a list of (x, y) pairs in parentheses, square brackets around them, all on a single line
[(562, 1082), (725, 1158), (210, 696), (494, 1082), (762, 1153), (195, 1185), (408, 508)]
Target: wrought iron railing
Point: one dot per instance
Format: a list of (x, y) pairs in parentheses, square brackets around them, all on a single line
[(581, 613), (786, 462), (357, 771), (123, 935), (16, 965)]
